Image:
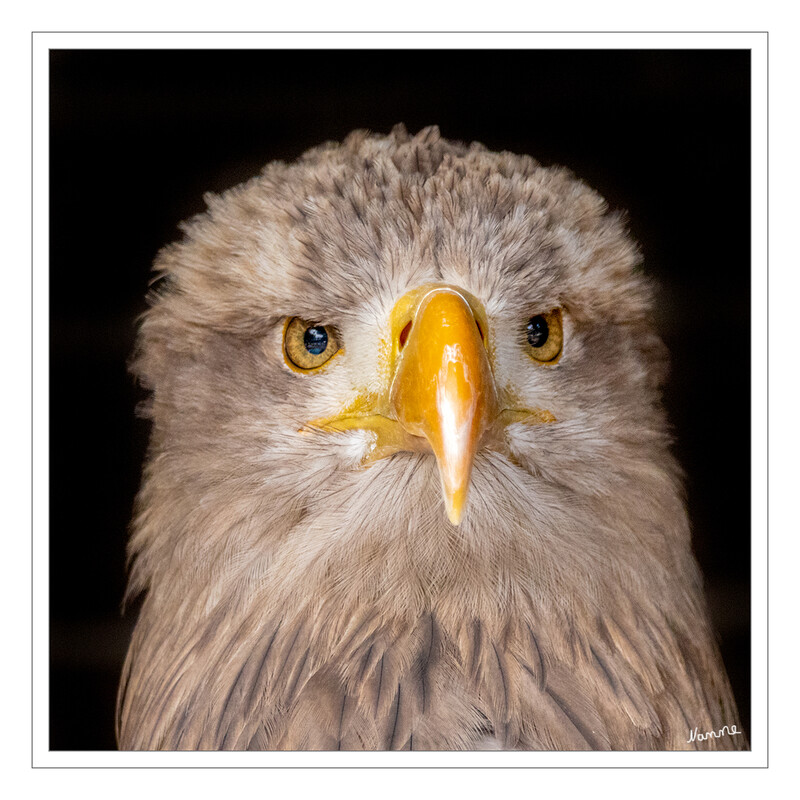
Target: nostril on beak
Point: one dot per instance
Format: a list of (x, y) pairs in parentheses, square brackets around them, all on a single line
[(480, 330), (404, 334)]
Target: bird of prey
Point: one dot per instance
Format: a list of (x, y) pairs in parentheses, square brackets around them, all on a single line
[(409, 483)]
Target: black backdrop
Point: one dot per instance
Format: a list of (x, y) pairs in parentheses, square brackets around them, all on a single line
[(136, 137)]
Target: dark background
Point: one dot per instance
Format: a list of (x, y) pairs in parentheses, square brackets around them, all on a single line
[(136, 137)]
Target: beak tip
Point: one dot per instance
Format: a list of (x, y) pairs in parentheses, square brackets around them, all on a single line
[(455, 509), (455, 518)]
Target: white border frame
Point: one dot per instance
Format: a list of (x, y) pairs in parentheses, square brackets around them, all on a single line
[(41, 45)]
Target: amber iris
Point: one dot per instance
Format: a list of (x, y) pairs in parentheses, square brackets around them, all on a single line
[(545, 336), (308, 346)]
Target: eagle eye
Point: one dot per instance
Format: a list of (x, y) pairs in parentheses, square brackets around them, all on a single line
[(545, 336), (308, 346)]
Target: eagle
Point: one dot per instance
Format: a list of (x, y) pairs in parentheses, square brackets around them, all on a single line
[(409, 483)]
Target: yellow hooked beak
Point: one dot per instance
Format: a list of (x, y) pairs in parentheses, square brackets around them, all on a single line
[(443, 389), (438, 393)]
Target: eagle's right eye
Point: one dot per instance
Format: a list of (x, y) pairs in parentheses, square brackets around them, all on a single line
[(308, 346)]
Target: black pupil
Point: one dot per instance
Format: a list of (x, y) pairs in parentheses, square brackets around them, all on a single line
[(315, 340), (537, 331)]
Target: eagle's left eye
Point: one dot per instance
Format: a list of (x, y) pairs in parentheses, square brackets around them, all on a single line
[(545, 336), (308, 346)]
